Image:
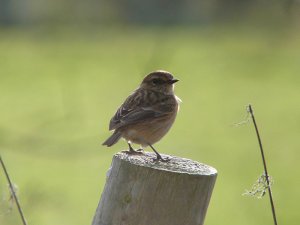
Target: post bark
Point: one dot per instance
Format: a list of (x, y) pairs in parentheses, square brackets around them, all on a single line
[(139, 191)]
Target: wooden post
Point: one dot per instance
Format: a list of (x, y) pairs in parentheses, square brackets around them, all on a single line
[(139, 191)]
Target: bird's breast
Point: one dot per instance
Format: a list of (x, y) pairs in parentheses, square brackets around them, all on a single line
[(149, 132)]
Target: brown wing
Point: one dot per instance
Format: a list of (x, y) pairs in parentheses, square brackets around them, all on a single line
[(137, 108)]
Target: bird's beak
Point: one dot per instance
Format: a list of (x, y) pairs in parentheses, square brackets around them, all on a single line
[(173, 81)]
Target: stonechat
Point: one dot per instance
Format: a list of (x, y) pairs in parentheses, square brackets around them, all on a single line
[(147, 114)]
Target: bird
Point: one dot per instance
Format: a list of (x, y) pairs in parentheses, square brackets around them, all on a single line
[(147, 114)]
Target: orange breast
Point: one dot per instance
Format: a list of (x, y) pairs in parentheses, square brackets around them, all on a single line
[(149, 131)]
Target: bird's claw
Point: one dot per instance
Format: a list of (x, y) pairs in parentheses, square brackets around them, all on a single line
[(159, 158), (133, 152)]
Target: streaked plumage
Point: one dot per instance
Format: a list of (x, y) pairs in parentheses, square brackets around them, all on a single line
[(148, 113)]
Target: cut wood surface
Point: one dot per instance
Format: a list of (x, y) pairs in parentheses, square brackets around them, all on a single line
[(139, 191)]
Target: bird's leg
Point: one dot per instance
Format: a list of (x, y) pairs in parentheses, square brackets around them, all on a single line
[(131, 151), (130, 148), (158, 156)]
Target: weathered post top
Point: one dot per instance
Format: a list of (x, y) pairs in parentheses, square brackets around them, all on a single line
[(140, 191), (176, 164)]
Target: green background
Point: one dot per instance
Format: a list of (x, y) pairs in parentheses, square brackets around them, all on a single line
[(59, 89)]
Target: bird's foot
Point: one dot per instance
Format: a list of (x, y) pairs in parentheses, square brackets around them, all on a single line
[(159, 158), (140, 150), (131, 151)]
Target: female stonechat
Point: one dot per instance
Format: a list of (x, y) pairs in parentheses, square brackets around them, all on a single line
[(147, 114)]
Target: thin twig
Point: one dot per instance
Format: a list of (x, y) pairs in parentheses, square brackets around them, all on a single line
[(264, 162), (13, 192)]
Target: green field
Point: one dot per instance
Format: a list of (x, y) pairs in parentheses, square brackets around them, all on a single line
[(59, 89)]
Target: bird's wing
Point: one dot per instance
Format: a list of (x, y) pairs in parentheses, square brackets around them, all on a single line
[(136, 109)]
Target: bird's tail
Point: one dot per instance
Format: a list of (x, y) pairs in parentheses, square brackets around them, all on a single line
[(113, 139)]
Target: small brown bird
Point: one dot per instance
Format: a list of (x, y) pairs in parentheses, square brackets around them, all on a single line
[(147, 114)]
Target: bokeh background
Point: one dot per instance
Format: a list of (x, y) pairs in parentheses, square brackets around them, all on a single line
[(65, 66)]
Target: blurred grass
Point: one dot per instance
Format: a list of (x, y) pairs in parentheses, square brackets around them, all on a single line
[(59, 89)]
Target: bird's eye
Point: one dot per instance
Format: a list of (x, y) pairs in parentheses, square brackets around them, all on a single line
[(157, 81)]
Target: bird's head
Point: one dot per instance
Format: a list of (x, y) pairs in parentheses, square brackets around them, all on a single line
[(161, 81)]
